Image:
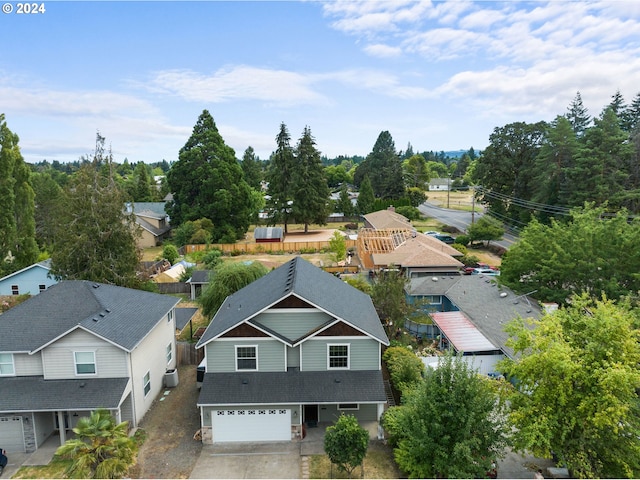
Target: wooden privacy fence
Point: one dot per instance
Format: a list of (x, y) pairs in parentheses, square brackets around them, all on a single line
[(174, 287), (248, 248), (188, 355)]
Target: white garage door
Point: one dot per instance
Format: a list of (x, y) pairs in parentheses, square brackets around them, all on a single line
[(251, 425), (11, 438)]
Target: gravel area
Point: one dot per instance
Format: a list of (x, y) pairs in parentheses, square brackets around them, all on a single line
[(169, 450)]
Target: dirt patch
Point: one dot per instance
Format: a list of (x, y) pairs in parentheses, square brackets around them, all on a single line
[(169, 450)]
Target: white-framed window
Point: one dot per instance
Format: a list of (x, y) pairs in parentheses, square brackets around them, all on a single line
[(6, 364), (42, 287), (169, 353), (348, 406), (246, 357), (338, 356), (433, 299), (85, 363), (146, 381), (170, 316)]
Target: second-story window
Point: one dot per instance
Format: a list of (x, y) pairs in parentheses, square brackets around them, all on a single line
[(85, 363), (169, 353), (338, 356), (6, 364), (246, 358)]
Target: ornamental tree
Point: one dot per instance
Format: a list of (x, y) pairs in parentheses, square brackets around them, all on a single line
[(346, 443)]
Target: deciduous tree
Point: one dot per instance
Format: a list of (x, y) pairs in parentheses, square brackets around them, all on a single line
[(228, 278), (346, 443), (577, 387), (588, 253), (451, 425), (485, 229)]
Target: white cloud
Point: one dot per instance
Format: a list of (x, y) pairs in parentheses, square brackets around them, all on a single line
[(239, 82), (383, 51)]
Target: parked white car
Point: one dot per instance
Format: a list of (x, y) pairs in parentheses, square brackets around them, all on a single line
[(485, 271)]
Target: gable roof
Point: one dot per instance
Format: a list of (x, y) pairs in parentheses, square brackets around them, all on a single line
[(387, 219), (150, 209), (45, 265), (200, 276), (311, 284), (122, 316)]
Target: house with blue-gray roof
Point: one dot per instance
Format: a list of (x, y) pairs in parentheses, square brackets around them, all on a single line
[(76, 347), (291, 351)]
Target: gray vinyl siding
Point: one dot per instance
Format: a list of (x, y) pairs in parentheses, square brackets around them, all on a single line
[(293, 357), (293, 324), (58, 358), (363, 353), (221, 355), (364, 413), (26, 365)]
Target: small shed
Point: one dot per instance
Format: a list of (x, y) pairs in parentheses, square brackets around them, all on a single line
[(268, 234)]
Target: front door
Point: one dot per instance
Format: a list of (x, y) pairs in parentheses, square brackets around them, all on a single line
[(310, 417)]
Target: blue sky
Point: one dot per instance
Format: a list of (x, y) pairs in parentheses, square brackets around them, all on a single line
[(440, 75)]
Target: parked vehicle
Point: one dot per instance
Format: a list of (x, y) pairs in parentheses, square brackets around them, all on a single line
[(485, 271), (445, 238)]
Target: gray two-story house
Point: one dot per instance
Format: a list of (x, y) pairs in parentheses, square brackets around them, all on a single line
[(292, 350), (76, 347)]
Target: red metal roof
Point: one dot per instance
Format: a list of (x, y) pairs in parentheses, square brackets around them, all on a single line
[(462, 334)]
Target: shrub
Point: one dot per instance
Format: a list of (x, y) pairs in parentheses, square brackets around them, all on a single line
[(405, 368), (462, 240), (212, 258), (170, 253), (412, 213)]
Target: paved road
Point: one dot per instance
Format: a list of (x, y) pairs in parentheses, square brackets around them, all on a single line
[(461, 220)]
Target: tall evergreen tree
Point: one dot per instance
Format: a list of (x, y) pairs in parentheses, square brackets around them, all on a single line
[(252, 168), (94, 238), (47, 199), (631, 116), (310, 190), (344, 204), (142, 192), (18, 247), (578, 116), (553, 184), (279, 176), (384, 169), (617, 104), (207, 182), (366, 199), (600, 167)]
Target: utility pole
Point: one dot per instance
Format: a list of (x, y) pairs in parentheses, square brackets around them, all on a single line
[(473, 204), (448, 188)]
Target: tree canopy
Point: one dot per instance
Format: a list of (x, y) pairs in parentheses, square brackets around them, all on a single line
[(95, 239), (384, 169), (18, 247), (589, 253), (207, 182), (226, 279), (345, 443), (485, 229), (279, 176), (577, 381), (451, 425)]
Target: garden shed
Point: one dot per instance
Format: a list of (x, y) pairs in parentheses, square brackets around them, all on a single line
[(268, 234)]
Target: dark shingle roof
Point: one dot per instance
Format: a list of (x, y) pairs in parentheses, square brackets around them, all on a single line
[(200, 276), (479, 298), (302, 279), (32, 394), (343, 386), (183, 315), (120, 315)]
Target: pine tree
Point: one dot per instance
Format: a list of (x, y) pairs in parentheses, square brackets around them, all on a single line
[(279, 177), (207, 182), (344, 204), (18, 247), (310, 190), (252, 168), (366, 198), (578, 116)]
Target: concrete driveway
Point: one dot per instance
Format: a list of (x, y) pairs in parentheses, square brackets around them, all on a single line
[(249, 460)]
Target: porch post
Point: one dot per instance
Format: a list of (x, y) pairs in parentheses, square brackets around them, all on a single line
[(61, 425)]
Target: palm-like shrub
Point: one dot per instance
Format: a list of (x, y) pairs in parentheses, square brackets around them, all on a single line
[(101, 449)]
